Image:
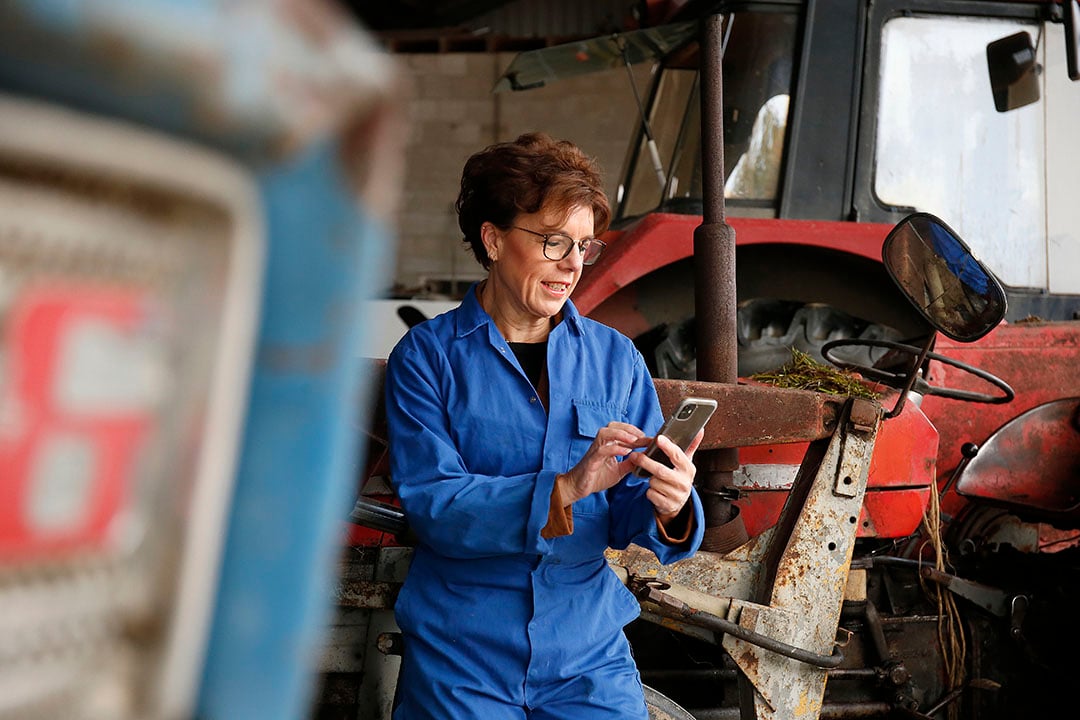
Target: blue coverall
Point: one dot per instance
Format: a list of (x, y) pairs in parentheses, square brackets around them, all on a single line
[(498, 621)]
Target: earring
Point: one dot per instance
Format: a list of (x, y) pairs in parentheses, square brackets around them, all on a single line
[(490, 249)]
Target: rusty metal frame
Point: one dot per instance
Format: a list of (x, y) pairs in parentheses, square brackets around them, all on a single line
[(757, 414)]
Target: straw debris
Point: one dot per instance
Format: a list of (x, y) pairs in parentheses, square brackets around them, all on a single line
[(806, 373)]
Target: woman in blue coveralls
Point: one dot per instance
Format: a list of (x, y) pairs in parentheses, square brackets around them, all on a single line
[(514, 426)]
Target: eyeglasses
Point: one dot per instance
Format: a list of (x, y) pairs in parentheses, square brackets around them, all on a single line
[(558, 245)]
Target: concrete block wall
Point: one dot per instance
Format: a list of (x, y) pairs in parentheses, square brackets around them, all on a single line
[(453, 113)]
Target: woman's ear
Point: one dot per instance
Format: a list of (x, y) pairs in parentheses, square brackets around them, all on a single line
[(492, 240)]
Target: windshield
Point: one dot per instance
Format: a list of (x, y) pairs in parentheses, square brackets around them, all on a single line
[(757, 87), (943, 148)]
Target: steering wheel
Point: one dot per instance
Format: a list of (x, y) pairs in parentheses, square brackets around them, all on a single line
[(920, 386)]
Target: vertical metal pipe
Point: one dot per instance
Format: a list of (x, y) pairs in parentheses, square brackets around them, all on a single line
[(712, 122), (714, 283)]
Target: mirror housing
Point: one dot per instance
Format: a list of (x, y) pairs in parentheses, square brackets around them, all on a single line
[(944, 281), (1014, 72)]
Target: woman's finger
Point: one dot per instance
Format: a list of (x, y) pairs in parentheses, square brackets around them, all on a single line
[(624, 433), (679, 459), (625, 427), (672, 483), (664, 504), (695, 443)]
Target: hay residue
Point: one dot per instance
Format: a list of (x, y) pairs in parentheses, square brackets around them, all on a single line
[(806, 373)]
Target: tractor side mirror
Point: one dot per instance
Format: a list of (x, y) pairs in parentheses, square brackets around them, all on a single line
[(937, 272), (1014, 72)]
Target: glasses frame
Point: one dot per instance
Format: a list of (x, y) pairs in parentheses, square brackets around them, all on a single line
[(582, 245)]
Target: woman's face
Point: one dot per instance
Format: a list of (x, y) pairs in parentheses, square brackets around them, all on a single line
[(528, 286)]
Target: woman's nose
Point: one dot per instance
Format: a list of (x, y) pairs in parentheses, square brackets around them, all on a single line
[(573, 259)]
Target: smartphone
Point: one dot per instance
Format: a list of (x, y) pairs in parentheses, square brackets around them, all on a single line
[(689, 417)]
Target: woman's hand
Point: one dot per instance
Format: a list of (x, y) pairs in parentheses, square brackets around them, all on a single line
[(669, 488), (601, 468)]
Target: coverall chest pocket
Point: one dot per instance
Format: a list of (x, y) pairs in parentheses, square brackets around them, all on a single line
[(589, 417)]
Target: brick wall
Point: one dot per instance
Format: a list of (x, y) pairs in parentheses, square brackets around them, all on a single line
[(453, 113)]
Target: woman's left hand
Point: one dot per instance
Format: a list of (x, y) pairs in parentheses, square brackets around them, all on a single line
[(669, 488)]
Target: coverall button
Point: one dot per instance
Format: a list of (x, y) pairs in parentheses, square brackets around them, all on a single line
[(532, 400)]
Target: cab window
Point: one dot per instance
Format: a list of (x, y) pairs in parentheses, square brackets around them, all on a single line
[(942, 147), (757, 88)]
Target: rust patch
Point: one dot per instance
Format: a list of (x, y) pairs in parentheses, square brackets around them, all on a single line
[(748, 662), (366, 594), (864, 414)]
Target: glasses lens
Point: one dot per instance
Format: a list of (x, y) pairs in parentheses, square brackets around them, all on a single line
[(557, 246), (592, 252)]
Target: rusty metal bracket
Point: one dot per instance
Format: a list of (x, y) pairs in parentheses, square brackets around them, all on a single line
[(863, 418), (803, 580), (648, 590)]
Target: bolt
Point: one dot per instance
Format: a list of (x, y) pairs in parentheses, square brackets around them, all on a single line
[(389, 643), (898, 674)]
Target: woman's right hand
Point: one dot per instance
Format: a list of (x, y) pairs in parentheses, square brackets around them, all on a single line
[(601, 468)]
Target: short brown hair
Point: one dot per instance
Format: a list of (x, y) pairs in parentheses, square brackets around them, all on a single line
[(534, 171)]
